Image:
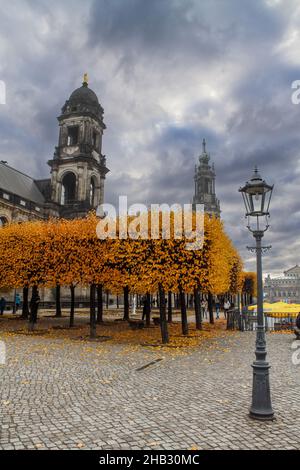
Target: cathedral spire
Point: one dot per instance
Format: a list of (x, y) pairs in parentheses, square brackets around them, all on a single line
[(204, 157), (205, 184)]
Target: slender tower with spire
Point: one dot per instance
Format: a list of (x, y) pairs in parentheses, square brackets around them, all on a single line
[(205, 192)]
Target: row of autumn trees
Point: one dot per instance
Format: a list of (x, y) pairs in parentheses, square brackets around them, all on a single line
[(68, 253)]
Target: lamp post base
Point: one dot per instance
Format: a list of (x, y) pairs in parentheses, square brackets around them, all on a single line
[(261, 408)]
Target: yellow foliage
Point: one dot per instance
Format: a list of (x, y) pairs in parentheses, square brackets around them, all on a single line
[(69, 252)]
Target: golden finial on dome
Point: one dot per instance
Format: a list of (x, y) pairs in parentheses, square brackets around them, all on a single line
[(85, 79)]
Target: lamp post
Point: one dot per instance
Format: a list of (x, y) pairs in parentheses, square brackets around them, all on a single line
[(257, 196)]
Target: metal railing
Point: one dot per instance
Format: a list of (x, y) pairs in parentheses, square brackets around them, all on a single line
[(247, 321)]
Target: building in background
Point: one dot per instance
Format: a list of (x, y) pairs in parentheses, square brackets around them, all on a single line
[(205, 191), (78, 168), (285, 288)]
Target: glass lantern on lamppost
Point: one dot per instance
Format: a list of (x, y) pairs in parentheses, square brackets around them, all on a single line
[(257, 196)]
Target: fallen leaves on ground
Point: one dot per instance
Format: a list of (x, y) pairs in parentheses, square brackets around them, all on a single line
[(120, 333)]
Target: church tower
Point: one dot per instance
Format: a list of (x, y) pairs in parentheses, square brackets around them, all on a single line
[(205, 184), (78, 167)]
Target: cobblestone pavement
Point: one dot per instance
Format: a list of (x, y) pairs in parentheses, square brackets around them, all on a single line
[(60, 394)]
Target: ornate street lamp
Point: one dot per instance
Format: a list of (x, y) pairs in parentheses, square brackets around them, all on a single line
[(257, 196)]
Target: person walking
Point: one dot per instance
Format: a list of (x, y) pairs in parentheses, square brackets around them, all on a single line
[(17, 302), (204, 307), (226, 308), (218, 306), (2, 305)]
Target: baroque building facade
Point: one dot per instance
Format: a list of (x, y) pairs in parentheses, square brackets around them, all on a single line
[(205, 191), (78, 168), (285, 288)]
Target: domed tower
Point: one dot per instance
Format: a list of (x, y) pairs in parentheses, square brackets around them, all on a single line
[(78, 167), (205, 192)]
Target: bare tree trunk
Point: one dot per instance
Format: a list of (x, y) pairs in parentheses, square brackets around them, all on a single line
[(210, 308), (169, 307), (184, 322), (148, 309), (57, 301), (177, 301), (34, 306), (93, 330), (99, 303), (25, 308), (126, 303), (163, 316), (72, 309), (198, 315)]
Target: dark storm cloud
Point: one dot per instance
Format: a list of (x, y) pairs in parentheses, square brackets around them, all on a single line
[(206, 28), (168, 73), (142, 27)]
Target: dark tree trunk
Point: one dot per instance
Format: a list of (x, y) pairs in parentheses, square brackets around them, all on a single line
[(107, 299), (184, 322), (210, 308), (198, 315), (93, 330), (148, 309), (99, 303), (177, 301), (57, 301), (25, 309), (126, 303), (117, 301), (72, 309), (169, 307), (34, 306), (163, 316)]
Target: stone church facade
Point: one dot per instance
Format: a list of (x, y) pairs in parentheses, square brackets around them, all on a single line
[(285, 288), (205, 191), (78, 168)]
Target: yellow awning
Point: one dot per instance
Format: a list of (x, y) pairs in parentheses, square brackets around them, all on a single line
[(278, 307)]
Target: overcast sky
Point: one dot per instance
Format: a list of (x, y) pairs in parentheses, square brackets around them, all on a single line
[(167, 73)]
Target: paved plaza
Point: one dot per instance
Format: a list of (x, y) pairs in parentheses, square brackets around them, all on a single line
[(66, 394)]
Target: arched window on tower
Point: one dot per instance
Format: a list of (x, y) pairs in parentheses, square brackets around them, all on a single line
[(73, 135), (68, 189), (92, 192), (3, 221), (206, 186)]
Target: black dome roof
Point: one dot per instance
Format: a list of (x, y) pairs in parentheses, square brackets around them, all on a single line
[(83, 95), (83, 100)]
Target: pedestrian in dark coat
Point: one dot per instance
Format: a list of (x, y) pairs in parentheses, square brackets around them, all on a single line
[(2, 305)]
